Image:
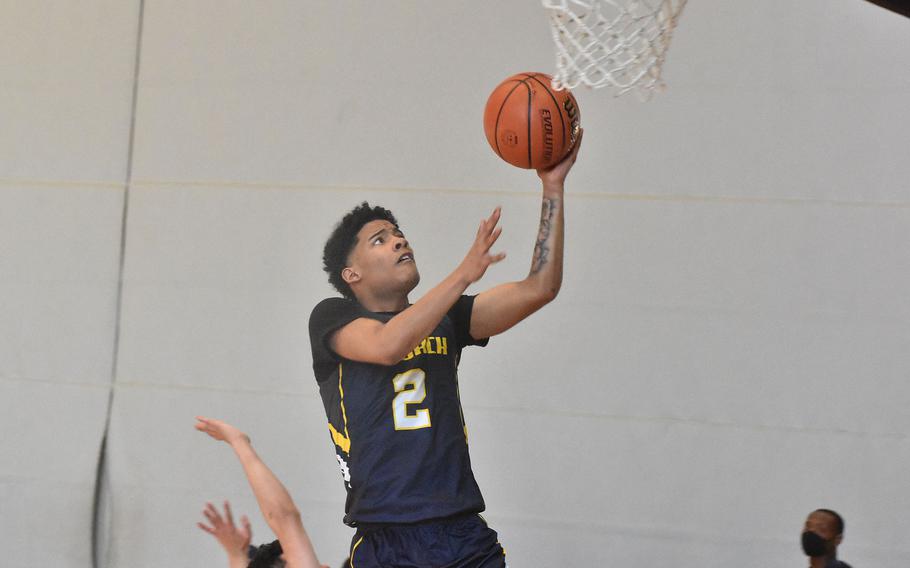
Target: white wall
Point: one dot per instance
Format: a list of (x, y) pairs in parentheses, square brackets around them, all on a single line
[(66, 71), (730, 350)]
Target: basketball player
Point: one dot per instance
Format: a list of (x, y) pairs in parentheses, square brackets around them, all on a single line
[(293, 548), (387, 374)]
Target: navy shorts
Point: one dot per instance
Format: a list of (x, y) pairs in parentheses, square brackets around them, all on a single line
[(458, 542)]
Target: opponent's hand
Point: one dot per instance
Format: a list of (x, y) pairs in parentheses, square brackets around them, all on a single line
[(220, 430), (555, 176), (235, 540), (479, 258)]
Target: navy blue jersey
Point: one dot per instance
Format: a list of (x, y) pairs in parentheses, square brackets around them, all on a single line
[(398, 430)]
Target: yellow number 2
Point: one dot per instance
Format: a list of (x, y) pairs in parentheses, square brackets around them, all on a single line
[(411, 388)]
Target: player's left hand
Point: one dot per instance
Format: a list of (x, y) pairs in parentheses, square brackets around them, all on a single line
[(235, 540), (479, 257), (556, 175)]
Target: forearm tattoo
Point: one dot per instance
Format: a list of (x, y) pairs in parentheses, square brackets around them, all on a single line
[(542, 247)]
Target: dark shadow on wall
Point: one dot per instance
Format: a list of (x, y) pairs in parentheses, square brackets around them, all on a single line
[(102, 507)]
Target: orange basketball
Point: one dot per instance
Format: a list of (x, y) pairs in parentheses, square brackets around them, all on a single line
[(530, 124)]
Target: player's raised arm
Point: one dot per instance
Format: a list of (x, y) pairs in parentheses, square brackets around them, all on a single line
[(274, 501), (500, 308), (372, 341)]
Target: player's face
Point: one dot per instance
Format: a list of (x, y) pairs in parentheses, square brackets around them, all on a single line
[(383, 258)]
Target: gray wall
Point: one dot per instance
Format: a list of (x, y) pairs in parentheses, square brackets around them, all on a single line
[(731, 348)]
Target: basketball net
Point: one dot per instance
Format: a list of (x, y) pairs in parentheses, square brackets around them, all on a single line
[(612, 43)]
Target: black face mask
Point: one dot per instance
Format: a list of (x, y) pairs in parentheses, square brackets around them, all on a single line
[(814, 545)]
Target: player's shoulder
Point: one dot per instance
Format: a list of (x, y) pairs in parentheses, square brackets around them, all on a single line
[(332, 304), (332, 309)]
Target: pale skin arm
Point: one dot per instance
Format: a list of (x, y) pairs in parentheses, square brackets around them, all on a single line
[(500, 308), (274, 501), (371, 341), (234, 540)]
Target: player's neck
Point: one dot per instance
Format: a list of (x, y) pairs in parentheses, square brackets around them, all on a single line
[(376, 303)]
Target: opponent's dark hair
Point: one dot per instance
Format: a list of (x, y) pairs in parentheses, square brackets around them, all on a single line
[(838, 520), (267, 556), (343, 240)]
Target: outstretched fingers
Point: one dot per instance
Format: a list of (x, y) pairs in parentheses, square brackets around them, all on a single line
[(495, 215), (205, 425), (479, 257), (214, 518), (492, 235), (489, 230), (227, 513), (206, 528), (488, 225), (220, 430), (214, 428)]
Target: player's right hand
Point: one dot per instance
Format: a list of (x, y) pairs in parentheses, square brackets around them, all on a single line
[(479, 258), (219, 430), (555, 176)]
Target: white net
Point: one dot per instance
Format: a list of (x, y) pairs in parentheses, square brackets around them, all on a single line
[(612, 43)]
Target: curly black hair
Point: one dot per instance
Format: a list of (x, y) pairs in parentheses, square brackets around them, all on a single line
[(343, 240), (267, 556)]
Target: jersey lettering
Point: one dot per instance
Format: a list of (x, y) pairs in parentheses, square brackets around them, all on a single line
[(345, 470), (429, 346)]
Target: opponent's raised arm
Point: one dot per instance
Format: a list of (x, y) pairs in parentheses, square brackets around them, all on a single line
[(500, 308), (274, 501), (372, 341)]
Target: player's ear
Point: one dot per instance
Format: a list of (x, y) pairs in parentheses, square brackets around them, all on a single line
[(350, 275)]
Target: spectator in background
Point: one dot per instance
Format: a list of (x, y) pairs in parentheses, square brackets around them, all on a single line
[(822, 533)]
